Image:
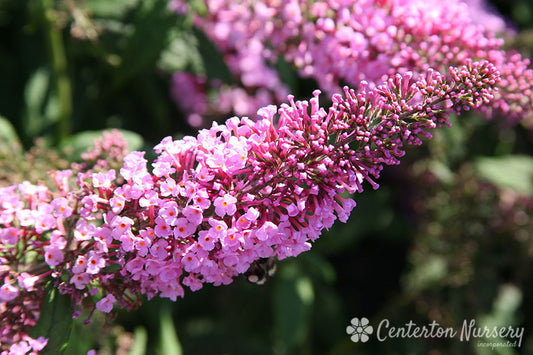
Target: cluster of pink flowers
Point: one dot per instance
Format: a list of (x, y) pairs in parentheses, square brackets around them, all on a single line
[(213, 204), (201, 99), (344, 42)]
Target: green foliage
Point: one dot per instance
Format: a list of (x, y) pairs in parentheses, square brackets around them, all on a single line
[(168, 340), (55, 322), (511, 171), (8, 137)]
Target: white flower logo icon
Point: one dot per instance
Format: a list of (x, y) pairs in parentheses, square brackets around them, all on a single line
[(359, 330)]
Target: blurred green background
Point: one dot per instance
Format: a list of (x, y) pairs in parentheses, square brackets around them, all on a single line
[(447, 237)]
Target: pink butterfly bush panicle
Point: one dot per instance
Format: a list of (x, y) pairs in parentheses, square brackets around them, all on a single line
[(215, 203), (344, 42)]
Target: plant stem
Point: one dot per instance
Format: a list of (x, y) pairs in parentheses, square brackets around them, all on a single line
[(58, 59)]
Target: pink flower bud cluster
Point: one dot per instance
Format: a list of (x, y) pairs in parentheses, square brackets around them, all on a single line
[(108, 152), (215, 203), (336, 42)]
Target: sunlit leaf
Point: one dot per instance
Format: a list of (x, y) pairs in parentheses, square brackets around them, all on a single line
[(426, 274), (109, 9), (140, 339), (35, 97), (510, 171), (169, 343), (8, 137)]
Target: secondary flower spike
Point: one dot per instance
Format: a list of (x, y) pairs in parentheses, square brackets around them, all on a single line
[(335, 42), (215, 203)]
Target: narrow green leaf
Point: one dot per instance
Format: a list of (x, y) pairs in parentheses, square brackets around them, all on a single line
[(55, 322), (35, 98), (292, 303), (9, 139), (140, 339), (169, 343)]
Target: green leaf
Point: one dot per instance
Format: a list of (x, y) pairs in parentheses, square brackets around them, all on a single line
[(140, 339), (80, 142), (35, 97), (505, 308), (9, 139), (109, 9), (427, 274), (510, 171), (213, 60), (169, 343), (292, 303), (182, 53), (55, 322), (153, 23)]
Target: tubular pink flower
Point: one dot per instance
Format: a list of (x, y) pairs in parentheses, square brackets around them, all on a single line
[(106, 304)]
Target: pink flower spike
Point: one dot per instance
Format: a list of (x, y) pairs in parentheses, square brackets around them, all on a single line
[(128, 241), (20, 348), (106, 304), (9, 235), (25, 217), (232, 238), (193, 283), (150, 198), (204, 174), (142, 244)]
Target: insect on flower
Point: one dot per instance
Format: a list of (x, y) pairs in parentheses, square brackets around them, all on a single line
[(261, 270)]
